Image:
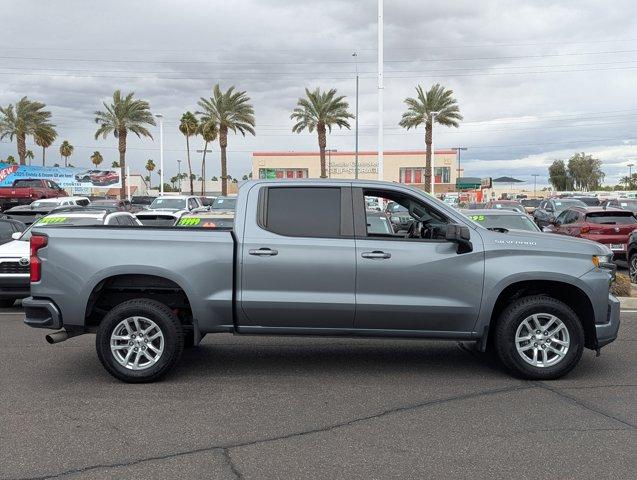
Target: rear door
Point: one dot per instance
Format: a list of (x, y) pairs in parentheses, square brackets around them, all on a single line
[(414, 283), (298, 265)]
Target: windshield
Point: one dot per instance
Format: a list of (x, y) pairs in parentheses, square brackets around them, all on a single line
[(224, 203), (508, 206), (628, 204), (53, 220), (611, 218), (529, 202), (168, 203), (46, 203), (510, 222), (27, 183)]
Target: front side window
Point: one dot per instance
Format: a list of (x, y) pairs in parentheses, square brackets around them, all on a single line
[(303, 212)]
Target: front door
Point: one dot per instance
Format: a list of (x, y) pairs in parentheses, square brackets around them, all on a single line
[(414, 279), (298, 260)]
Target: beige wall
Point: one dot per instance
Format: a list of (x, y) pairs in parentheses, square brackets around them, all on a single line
[(341, 164)]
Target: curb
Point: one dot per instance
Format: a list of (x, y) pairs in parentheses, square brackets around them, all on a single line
[(628, 303)]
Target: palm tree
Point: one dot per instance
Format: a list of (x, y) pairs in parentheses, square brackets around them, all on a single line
[(66, 150), (29, 156), (44, 136), (230, 111), (436, 105), (124, 115), (209, 131), (320, 111), (189, 126), (97, 158), (11, 160), (115, 164), (20, 120), (150, 166)]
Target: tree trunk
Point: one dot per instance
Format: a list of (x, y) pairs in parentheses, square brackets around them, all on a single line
[(203, 169), (122, 161), (43, 155), (192, 188), (66, 160), (22, 147), (223, 144), (322, 144), (428, 138)]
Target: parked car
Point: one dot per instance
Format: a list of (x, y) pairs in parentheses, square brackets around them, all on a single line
[(548, 210), (398, 216), (119, 205), (207, 219), (505, 205), (8, 227), (502, 220), (175, 203), (631, 249), (301, 261), (609, 226), (530, 204), (207, 201), (159, 218), (28, 214), (85, 176), (588, 200), (23, 191), (14, 255), (104, 178), (141, 202), (224, 203), (629, 204)]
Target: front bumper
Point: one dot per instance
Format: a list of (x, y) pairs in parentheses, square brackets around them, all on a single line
[(41, 313), (607, 332), (15, 286)]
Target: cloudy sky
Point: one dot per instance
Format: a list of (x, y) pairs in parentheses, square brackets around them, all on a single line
[(536, 80)]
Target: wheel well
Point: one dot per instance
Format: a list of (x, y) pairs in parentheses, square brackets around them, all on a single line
[(565, 292), (112, 291)]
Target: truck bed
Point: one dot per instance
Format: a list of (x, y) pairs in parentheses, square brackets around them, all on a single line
[(80, 258)]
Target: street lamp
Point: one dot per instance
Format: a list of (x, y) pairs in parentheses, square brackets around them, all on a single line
[(161, 153), (630, 169), (355, 55), (458, 150), (329, 160), (535, 175)]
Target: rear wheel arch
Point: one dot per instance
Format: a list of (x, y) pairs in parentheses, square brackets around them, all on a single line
[(565, 292), (116, 289)]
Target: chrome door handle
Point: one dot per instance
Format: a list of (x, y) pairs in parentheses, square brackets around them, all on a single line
[(264, 252), (376, 254)]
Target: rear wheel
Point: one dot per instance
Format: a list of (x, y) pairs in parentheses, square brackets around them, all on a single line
[(7, 302), (539, 337), (139, 340)]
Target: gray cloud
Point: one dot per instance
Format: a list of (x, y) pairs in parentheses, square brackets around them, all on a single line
[(531, 77)]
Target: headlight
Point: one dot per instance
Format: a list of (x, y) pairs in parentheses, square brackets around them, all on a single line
[(603, 261)]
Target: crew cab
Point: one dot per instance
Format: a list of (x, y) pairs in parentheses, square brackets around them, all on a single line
[(24, 191), (302, 259)]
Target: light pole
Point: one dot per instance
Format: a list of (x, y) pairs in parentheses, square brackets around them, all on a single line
[(380, 90), (433, 153), (329, 161), (535, 175), (355, 55), (161, 153), (458, 150)]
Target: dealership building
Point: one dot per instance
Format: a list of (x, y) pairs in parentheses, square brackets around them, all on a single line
[(406, 166)]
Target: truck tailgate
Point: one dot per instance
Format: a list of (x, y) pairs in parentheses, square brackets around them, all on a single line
[(77, 259)]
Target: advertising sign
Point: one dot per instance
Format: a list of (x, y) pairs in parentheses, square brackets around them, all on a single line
[(65, 177)]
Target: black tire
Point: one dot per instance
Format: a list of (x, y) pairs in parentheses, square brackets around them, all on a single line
[(632, 267), (166, 321), (7, 302), (515, 314)]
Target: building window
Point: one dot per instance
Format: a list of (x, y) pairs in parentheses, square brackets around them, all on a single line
[(277, 173), (417, 175), (442, 174)]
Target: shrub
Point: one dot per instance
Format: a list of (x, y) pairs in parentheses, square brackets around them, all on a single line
[(621, 286)]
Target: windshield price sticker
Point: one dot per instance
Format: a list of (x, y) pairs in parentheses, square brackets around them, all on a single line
[(477, 218), (52, 220), (189, 222)]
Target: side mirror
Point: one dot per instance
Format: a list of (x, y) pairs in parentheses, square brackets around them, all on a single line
[(461, 235), (16, 235)]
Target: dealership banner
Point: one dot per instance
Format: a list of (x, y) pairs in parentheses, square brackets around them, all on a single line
[(65, 177)]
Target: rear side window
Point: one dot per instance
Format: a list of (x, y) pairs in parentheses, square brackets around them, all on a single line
[(611, 218), (83, 202), (304, 212)]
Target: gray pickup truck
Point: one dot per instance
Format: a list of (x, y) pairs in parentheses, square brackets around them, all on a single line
[(302, 259)]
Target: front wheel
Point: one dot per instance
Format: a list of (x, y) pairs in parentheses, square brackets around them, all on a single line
[(139, 340), (539, 337), (632, 267)]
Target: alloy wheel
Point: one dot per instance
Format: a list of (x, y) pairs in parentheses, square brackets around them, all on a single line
[(542, 340), (137, 343)]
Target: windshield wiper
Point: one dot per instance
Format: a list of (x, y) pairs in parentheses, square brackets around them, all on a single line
[(498, 229)]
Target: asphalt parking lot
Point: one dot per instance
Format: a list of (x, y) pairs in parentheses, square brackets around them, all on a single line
[(288, 408)]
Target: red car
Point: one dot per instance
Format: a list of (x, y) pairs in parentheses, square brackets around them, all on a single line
[(104, 178), (610, 226)]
